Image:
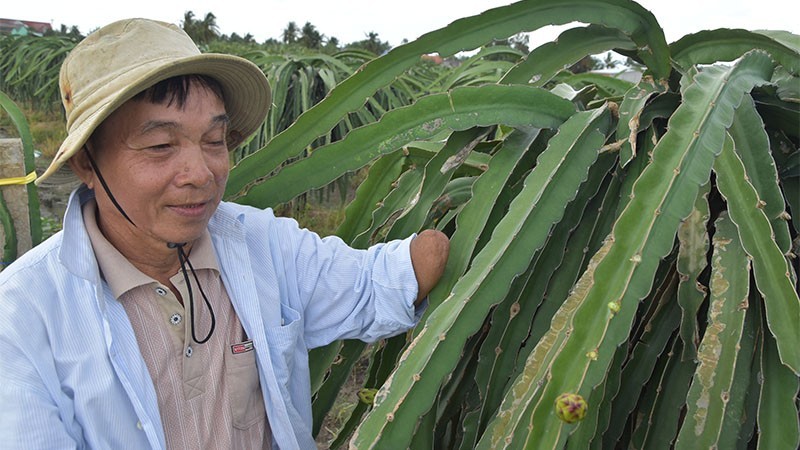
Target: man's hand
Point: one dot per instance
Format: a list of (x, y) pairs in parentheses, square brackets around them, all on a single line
[(429, 251)]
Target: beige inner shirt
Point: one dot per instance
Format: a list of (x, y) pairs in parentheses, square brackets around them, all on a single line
[(209, 395)]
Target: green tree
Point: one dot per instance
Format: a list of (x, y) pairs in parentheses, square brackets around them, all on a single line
[(310, 37), (372, 44), (586, 64), (189, 24), (235, 38), (609, 62), (290, 33), (201, 31), (518, 42), (332, 44), (71, 32)]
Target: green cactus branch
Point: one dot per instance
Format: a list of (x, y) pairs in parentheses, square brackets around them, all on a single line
[(459, 109), (718, 354), (461, 35), (535, 209), (770, 267)]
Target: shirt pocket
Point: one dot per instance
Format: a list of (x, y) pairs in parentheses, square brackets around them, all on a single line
[(244, 388), (283, 343)]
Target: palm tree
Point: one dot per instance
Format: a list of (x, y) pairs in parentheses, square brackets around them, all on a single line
[(208, 28), (201, 31), (373, 44), (290, 33), (189, 24), (310, 37)]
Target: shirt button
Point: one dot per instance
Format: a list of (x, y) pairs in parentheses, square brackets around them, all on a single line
[(188, 352), (139, 425), (161, 291), (175, 319)]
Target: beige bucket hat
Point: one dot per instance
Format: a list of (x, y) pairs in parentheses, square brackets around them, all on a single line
[(118, 61)]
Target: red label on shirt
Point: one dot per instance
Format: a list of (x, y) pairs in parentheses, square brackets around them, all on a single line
[(243, 347)]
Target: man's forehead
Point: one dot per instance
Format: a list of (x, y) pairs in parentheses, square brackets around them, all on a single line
[(142, 114)]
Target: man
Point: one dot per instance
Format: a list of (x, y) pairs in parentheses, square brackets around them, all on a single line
[(162, 317)]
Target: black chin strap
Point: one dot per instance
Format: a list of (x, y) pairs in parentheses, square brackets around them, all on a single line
[(105, 187), (184, 260)]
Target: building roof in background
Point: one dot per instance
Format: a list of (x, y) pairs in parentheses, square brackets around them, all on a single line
[(8, 26)]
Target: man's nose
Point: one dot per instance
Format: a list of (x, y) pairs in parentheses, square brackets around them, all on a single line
[(195, 169)]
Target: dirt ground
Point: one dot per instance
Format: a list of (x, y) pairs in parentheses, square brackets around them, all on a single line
[(54, 193)]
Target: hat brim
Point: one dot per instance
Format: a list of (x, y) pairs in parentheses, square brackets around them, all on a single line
[(245, 90)]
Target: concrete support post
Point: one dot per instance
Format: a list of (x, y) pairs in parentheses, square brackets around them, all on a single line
[(12, 165)]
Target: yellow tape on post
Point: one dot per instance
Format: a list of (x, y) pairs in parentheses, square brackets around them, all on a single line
[(18, 180)]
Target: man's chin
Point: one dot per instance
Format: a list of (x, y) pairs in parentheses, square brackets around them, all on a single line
[(183, 237)]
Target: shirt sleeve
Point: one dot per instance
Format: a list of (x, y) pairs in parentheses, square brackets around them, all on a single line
[(346, 293), (29, 417)]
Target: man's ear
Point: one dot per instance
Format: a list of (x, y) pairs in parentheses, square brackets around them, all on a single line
[(79, 163)]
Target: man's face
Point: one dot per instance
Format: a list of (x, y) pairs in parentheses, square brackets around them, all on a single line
[(166, 166)]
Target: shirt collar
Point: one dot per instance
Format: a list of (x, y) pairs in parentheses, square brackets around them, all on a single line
[(123, 276)]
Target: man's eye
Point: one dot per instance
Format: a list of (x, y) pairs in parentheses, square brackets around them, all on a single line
[(160, 147)]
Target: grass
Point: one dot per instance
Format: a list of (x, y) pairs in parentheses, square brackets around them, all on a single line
[(323, 219), (48, 128), (323, 210), (48, 136), (345, 402)]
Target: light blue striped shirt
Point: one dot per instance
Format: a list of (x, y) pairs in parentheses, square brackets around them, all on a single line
[(72, 376)]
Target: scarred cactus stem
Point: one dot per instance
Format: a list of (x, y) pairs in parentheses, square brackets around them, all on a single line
[(571, 408)]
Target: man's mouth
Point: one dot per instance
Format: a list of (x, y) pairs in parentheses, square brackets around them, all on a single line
[(190, 209)]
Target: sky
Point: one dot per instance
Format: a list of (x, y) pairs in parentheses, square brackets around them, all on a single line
[(394, 21)]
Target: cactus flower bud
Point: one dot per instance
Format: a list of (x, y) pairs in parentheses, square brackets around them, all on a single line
[(367, 395), (613, 307), (571, 408)]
